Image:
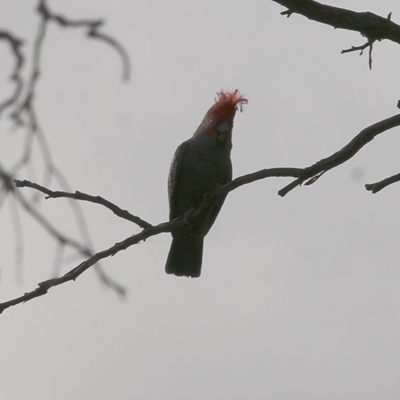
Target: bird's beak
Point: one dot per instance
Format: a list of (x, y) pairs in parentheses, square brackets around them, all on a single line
[(223, 128)]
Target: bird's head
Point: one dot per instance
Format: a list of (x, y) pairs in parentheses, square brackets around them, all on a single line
[(217, 124)]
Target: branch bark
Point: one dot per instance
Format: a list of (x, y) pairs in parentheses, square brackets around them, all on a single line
[(44, 286), (21, 106), (15, 45), (378, 186), (370, 25), (93, 27), (51, 194), (311, 173), (316, 170)]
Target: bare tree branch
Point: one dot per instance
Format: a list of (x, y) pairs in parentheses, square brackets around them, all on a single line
[(34, 213), (371, 26), (43, 287), (368, 24), (365, 136), (369, 44), (15, 45), (358, 48), (312, 173), (26, 102), (24, 115), (309, 174), (147, 232), (378, 186), (51, 194), (93, 27), (19, 239)]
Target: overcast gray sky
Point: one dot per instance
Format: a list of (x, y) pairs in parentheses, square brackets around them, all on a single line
[(299, 296)]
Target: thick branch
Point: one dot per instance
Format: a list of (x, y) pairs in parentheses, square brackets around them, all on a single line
[(311, 174), (365, 136), (368, 24)]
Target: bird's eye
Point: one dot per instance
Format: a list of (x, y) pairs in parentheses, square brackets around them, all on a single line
[(211, 121)]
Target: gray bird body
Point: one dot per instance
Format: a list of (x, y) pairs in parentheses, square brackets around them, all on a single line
[(200, 165)]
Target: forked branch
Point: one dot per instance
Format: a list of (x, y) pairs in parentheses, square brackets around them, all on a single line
[(309, 174), (44, 286), (369, 25), (53, 194), (313, 172)]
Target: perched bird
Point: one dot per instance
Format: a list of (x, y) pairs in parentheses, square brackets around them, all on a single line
[(200, 165)]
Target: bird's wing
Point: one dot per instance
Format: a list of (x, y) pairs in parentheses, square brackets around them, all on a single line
[(174, 176), (219, 202)]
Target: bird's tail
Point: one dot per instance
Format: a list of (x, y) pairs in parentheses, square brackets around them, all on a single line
[(185, 255)]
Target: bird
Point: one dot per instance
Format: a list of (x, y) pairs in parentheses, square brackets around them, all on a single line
[(200, 165)]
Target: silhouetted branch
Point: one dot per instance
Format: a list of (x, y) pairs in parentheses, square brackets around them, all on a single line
[(365, 136), (15, 45), (26, 103), (19, 239), (369, 44), (85, 197), (23, 114), (93, 27), (371, 26), (146, 233), (50, 228), (310, 174), (43, 287), (378, 186), (358, 48)]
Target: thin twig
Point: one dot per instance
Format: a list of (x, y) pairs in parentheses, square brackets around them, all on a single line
[(7, 181), (357, 48), (361, 48), (51, 194), (93, 27), (15, 45), (19, 239)]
